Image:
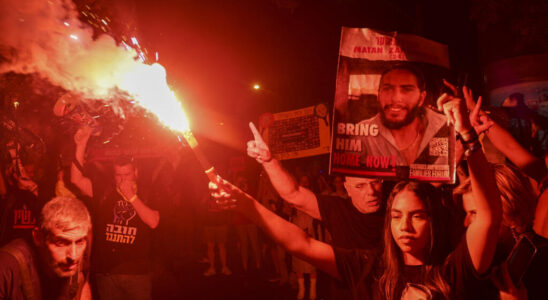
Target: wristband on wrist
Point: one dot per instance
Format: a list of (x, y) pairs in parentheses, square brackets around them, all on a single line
[(78, 165), (132, 199), (472, 147), (468, 137)]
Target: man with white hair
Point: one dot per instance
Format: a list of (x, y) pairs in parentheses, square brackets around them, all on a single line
[(357, 222), (54, 264)]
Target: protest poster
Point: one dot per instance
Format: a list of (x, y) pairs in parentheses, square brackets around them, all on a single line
[(297, 133), (380, 133)]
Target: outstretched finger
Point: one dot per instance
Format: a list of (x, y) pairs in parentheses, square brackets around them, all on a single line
[(451, 87), (256, 135)]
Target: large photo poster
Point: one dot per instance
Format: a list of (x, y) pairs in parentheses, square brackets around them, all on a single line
[(385, 123)]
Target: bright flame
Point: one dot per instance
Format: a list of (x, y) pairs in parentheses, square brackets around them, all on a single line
[(256, 86), (147, 85), (94, 67)]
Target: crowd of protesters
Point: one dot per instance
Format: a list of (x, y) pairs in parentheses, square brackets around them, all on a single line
[(376, 239)]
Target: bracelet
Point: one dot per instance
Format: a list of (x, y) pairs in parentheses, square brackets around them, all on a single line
[(473, 147), (78, 165), (132, 199), (469, 137), (124, 197)]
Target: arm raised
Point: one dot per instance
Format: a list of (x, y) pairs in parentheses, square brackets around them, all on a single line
[(482, 233), (503, 140), (81, 138), (302, 198), (288, 235)]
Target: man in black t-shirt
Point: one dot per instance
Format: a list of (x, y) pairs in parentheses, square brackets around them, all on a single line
[(123, 228), (357, 222)]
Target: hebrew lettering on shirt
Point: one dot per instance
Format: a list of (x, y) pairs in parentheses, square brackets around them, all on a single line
[(22, 218), (121, 234)]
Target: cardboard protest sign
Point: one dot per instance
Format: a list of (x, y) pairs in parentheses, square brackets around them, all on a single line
[(297, 133), (392, 130)]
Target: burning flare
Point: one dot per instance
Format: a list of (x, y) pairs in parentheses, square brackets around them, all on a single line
[(47, 38), (147, 85)]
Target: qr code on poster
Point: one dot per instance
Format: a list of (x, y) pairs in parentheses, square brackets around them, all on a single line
[(439, 147)]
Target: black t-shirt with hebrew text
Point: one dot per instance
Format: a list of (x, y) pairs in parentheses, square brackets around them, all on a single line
[(122, 241)]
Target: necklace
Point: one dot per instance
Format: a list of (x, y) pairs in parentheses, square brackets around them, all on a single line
[(410, 144)]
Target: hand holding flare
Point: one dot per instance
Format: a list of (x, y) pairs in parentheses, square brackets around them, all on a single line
[(227, 195), (206, 165)]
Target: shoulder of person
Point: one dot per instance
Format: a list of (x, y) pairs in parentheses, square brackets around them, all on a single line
[(373, 120), (12, 252)]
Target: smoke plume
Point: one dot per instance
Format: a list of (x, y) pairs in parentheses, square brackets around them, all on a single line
[(46, 37)]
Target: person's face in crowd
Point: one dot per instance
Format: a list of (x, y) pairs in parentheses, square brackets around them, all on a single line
[(338, 182), (469, 207), (510, 102), (400, 98), (365, 193), (63, 250), (124, 173), (410, 225)]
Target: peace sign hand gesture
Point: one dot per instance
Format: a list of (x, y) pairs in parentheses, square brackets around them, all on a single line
[(479, 119), (257, 148)]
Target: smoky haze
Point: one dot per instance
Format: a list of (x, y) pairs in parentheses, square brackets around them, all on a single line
[(47, 38)]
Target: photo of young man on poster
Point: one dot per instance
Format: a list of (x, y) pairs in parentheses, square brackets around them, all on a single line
[(385, 123), (407, 130)]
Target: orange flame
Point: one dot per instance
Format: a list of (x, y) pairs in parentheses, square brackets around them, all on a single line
[(48, 38), (148, 86)]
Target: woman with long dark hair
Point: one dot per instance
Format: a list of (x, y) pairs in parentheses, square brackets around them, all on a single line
[(417, 246), (415, 259)]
